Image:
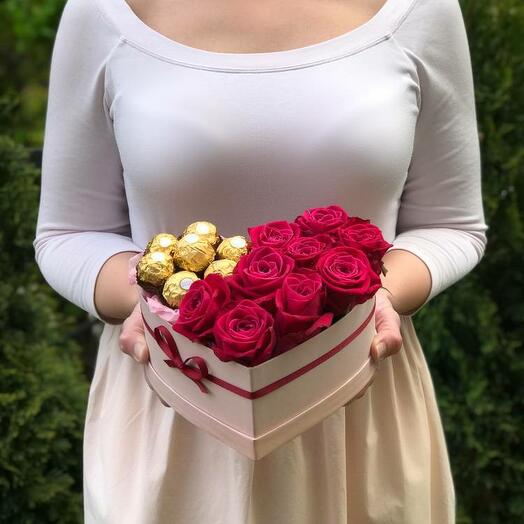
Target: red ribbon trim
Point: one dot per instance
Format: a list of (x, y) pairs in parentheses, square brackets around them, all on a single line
[(167, 343)]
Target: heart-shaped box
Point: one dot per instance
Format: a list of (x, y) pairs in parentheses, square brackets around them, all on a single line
[(256, 409)]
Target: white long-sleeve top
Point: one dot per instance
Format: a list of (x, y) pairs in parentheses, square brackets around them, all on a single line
[(144, 134)]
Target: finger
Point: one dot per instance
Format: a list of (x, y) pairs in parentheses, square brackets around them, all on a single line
[(132, 340), (388, 338), (386, 342), (365, 388), (140, 350), (162, 401), (362, 392)]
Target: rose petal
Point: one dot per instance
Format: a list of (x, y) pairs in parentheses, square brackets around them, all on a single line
[(164, 312)]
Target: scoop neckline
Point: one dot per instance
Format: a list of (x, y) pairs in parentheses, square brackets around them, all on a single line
[(136, 32)]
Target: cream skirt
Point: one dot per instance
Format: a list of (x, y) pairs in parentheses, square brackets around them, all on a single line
[(382, 459)]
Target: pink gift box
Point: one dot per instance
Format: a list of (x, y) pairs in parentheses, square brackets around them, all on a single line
[(257, 409)]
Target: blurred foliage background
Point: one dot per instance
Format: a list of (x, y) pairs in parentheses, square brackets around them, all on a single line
[(472, 333)]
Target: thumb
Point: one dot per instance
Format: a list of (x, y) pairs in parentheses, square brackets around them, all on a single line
[(140, 350), (132, 339), (387, 342), (378, 349)]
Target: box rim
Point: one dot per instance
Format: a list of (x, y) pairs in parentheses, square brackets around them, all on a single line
[(371, 302), (368, 364)]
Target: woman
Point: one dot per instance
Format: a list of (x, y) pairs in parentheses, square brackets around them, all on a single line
[(163, 113)]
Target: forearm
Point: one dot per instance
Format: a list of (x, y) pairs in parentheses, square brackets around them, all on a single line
[(115, 298), (408, 279)]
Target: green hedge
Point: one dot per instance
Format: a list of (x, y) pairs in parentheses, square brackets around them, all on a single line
[(43, 388), (473, 333), (27, 33)]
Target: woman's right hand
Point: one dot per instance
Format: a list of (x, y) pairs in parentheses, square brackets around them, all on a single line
[(132, 340)]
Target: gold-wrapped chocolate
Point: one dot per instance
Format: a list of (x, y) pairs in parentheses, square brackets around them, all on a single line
[(165, 242), (206, 230), (154, 268), (222, 266), (232, 248), (176, 286), (193, 253)]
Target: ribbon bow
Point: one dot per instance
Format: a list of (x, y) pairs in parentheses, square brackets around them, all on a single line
[(168, 345)]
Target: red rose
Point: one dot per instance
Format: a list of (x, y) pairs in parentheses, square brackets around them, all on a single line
[(259, 274), (275, 234), (349, 278), (244, 333), (200, 306), (306, 250), (321, 220), (303, 292), (299, 305), (357, 220), (367, 237)]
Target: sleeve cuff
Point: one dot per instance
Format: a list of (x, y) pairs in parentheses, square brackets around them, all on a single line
[(407, 243), (70, 262), (449, 254), (104, 251)]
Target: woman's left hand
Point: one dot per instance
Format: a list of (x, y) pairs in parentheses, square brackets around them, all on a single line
[(388, 339)]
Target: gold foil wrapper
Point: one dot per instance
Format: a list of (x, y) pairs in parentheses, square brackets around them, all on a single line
[(232, 248), (223, 266), (154, 268), (176, 286), (205, 230), (193, 253), (162, 242)]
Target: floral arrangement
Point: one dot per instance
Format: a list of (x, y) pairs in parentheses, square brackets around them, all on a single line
[(250, 299)]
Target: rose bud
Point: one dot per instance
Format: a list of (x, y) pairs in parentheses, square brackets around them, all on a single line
[(259, 274), (200, 306), (244, 333), (275, 234), (349, 278), (299, 305), (321, 220), (367, 237), (306, 250)]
